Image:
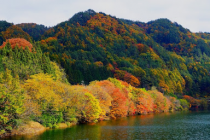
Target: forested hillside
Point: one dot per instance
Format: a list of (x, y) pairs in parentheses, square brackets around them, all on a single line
[(34, 88), (94, 46), (95, 66), (33, 29)]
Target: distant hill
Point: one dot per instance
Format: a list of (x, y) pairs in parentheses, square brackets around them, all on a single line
[(3, 26), (15, 32), (33, 29)]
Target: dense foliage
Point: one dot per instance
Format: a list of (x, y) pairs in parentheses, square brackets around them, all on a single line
[(19, 56), (49, 101), (94, 46), (34, 88), (15, 32), (117, 67), (34, 30), (3, 26)]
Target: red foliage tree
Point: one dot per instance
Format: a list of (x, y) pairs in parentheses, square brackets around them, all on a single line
[(20, 42), (119, 108)]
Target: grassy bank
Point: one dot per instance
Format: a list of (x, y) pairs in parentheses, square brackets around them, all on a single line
[(32, 128)]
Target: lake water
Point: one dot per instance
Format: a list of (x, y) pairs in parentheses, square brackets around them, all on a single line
[(165, 126)]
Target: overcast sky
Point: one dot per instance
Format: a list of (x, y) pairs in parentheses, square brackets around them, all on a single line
[(191, 14)]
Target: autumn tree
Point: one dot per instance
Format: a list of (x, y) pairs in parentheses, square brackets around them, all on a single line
[(119, 108), (11, 101)]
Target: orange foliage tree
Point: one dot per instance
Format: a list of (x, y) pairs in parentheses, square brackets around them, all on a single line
[(131, 79), (143, 101), (192, 101), (119, 108), (125, 76), (15, 32), (20, 42), (161, 103), (103, 97)]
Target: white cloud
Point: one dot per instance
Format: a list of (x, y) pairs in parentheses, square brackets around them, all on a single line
[(192, 14)]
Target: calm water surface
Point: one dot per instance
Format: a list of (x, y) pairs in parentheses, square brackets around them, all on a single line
[(166, 126)]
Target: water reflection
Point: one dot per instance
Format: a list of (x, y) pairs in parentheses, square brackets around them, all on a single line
[(191, 125)]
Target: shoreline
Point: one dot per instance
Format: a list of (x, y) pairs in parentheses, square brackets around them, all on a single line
[(33, 128)]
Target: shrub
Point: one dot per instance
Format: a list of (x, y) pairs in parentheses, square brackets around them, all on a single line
[(55, 126), (73, 120), (184, 103), (49, 125), (50, 117), (2, 131), (68, 123), (17, 122), (8, 128)]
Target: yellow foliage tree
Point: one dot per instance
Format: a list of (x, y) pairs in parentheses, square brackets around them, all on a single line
[(103, 97), (44, 91)]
